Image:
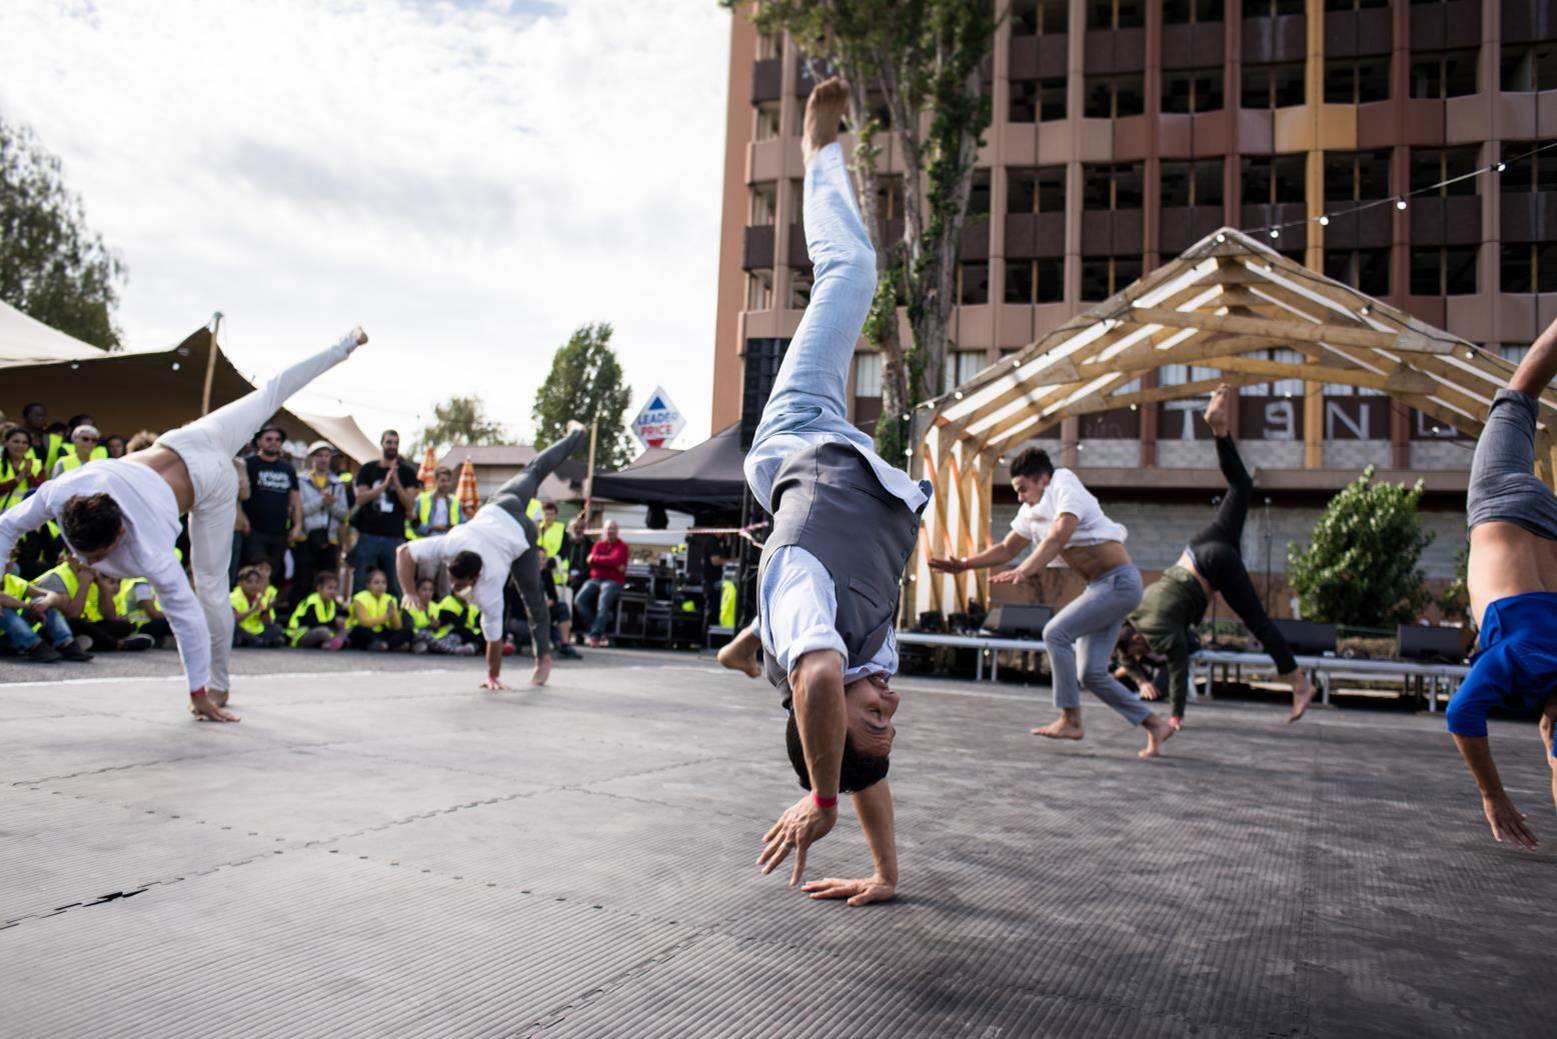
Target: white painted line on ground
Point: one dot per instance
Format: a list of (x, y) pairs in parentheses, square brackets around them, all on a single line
[(269, 674)]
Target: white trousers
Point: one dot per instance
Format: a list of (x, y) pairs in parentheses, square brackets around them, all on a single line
[(207, 446)]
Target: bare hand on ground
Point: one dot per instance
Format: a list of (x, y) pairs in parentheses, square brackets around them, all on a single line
[(858, 892), (1507, 822), (802, 825)]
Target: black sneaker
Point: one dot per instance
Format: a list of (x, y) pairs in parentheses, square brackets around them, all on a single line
[(43, 653), (569, 653), (72, 651), (137, 643)]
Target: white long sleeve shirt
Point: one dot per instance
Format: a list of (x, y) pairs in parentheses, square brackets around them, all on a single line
[(151, 529), (498, 539)]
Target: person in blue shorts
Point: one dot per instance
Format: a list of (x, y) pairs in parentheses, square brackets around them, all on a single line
[(1512, 578)]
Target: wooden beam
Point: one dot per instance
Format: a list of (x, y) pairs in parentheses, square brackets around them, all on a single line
[(1302, 331)]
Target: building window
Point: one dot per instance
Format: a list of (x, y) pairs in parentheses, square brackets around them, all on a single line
[(764, 203), (1430, 166), (1102, 276), (968, 363), (1356, 176), (979, 196), (1273, 86), (1527, 172), (1273, 179), (1192, 183), (1116, 14), (1186, 12), (799, 289), (797, 202), (1037, 17), (767, 121), (1037, 99), (769, 45), (1528, 66), (972, 284), (1111, 185), (1444, 271), (1035, 189), (1111, 96), (1035, 281), (1191, 90), (1271, 8), (1440, 74), (1366, 270), (1513, 352), (759, 289), (1353, 81), (867, 375), (1527, 267)]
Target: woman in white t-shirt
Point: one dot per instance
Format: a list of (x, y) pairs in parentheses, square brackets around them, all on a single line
[(1068, 524)]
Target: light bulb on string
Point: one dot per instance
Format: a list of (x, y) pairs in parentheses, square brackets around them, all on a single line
[(1400, 202), (1275, 232), (1221, 238), (1500, 167), (957, 395), (1324, 221)]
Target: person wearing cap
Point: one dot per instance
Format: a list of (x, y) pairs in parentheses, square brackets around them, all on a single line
[(83, 439), (274, 506), (323, 501)]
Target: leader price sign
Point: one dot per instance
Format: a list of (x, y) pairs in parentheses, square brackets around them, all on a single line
[(659, 421)]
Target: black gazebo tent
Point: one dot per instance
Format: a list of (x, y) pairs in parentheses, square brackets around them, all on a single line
[(705, 480)]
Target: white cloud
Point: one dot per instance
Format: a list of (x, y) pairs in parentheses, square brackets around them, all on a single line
[(469, 180)]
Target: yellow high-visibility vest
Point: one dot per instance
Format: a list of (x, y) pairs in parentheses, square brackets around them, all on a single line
[(91, 610)]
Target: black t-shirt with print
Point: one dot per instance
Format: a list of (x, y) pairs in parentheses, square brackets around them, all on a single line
[(270, 488), (383, 516)]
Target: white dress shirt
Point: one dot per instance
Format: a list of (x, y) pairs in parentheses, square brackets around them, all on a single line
[(498, 539)]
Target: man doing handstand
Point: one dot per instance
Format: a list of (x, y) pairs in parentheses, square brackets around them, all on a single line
[(499, 543), (121, 517), (1512, 578), (844, 524), (1213, 562)]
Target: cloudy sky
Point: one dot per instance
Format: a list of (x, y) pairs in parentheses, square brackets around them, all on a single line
[(468, 179)]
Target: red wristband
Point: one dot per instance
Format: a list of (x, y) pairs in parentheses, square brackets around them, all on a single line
[(823, 802)]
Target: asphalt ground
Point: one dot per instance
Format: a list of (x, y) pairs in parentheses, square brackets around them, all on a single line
[(381, 849)]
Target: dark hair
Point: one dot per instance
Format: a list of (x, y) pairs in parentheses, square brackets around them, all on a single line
[(320, 578), (91, 522), (548, 505), (246, 572), (1033, 463), (388, 433), (33, 404), (857, 772), (377, 570), (465, 566), (79, 420)]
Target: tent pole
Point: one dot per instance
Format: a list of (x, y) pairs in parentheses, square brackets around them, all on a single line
[(589, 473), (210, 364)]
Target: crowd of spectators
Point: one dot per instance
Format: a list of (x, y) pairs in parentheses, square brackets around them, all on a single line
[(312, 557)]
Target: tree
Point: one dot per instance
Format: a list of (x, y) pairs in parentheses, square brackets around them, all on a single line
[(461, 420), (1360, 565), (585, 383), (51, 266), (914, 67)]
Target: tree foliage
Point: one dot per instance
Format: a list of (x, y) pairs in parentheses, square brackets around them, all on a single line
[(585, 383), (1360, 565), (916, 67), (461, 420), (52, 267)]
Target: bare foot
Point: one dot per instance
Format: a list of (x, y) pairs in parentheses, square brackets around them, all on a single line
[(1218, 413), (218, 696), (824, 110), (207, 711), (740, 654), (1158, 732), (1302, 696), (542, 670), (1061, 728)]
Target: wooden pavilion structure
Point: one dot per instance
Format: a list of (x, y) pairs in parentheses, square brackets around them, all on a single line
[(1224, 304)]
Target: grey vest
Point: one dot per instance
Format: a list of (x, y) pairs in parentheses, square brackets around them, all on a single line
[(828, 501)]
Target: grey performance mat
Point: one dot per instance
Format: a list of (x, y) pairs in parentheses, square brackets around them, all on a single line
[(381, 849)]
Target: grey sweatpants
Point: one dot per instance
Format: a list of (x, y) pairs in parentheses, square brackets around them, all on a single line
[(513, 498), (1503, 484), (1089, 628)]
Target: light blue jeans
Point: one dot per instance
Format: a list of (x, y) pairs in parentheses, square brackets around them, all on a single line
[(1088, 628), (809, 403), (592, 614)]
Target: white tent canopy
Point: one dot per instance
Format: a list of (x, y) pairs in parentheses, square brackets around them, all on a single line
[(26, 340)]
